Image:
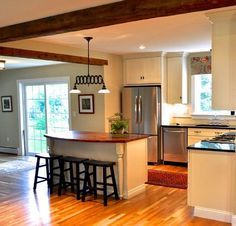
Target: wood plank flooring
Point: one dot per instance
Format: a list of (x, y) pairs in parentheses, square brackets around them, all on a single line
[(19, 205)]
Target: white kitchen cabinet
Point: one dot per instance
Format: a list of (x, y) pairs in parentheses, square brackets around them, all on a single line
[(223, 59), (212, 184), (176, 79), (197, 134), (142, 71)]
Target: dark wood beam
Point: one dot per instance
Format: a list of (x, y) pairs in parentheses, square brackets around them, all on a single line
[(104, 15), (6, 51)]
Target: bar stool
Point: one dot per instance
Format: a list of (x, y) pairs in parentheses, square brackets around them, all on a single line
[(104, 165), (50, 160), (63, 184)]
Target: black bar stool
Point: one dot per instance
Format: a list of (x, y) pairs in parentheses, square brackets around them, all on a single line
[(49, 162), (74, 180), (105, 165)]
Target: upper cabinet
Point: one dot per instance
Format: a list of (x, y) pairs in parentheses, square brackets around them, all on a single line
[(143, 70), (223, 59), (176, 78)]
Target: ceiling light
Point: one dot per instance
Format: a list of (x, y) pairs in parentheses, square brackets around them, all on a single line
[(142, 47), (2, 64), (89, 79)]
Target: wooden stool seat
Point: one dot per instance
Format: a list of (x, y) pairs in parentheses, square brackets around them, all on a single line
[(104, 184), (49, 162), (74, 180)]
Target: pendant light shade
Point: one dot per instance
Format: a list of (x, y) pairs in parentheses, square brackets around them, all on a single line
[(2, 64), (104, 89), (89, 79)]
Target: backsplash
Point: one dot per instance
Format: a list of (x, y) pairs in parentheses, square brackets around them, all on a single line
[(180, 113)]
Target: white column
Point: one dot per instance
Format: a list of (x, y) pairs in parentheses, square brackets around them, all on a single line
[(120, 154), (50, 143)]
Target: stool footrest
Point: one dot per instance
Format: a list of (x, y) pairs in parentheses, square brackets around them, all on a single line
[(101, 183)]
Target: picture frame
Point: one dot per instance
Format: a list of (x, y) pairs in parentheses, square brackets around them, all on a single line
[(6, 102), (86, 103)]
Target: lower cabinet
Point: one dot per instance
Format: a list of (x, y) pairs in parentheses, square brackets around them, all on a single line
[(212, 183)]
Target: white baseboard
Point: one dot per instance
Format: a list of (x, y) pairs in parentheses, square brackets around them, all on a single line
[(213, 214), (135, 191), (233, 222), (8, 150)]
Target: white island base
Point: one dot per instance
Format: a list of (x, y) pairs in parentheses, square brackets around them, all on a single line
[(130, 158)]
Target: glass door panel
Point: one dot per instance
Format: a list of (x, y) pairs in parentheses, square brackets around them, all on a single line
[(46, 111), (35, 119), (57, 108)]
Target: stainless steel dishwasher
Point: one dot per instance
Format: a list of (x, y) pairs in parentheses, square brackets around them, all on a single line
[(175, 144)]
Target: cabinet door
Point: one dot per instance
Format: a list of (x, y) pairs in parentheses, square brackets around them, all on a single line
[(195, 139), (223, 60), (142, 71), (151, 71), (174, 80)]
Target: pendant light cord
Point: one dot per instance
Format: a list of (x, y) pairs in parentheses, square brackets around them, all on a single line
[(88, 40)]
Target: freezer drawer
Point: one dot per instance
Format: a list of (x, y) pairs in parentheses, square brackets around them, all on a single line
[(175, 145)]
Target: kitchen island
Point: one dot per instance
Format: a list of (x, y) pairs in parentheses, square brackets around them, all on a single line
[(129, 151), (212, 180)]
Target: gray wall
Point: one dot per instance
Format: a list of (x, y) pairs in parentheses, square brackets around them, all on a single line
[(9, 126)]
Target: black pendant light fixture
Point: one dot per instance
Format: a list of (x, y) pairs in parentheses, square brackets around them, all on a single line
[(89, 79)]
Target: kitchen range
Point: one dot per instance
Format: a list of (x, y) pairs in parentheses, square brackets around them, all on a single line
[(227, 138)]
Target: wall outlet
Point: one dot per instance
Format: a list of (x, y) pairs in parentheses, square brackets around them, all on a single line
[(8, 139)]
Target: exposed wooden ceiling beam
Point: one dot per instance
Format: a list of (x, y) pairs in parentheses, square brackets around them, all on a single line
[(6, 51), (104, 15)]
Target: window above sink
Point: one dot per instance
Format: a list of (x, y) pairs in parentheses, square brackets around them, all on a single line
[(202, 96)]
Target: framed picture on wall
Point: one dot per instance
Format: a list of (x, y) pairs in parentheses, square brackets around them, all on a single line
[(6, 102), (86, 103)]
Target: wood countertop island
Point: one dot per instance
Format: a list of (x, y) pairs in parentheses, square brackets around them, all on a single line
[(128, 151), (95, 137)]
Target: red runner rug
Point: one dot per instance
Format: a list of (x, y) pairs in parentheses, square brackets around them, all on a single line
[(167, 179)]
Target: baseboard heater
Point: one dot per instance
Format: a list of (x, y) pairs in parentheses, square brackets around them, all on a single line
[(8, 150)]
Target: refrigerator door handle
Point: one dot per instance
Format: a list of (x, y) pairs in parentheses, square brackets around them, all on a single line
[(140, 109), (136, 109)]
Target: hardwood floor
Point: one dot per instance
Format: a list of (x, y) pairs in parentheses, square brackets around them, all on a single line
[(19, 205), (170, 168)]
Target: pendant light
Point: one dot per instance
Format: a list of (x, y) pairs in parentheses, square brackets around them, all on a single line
[(89, 79), (2, 64)]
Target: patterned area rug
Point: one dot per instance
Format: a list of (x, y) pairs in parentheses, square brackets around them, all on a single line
[(167, 179), (16, 166)]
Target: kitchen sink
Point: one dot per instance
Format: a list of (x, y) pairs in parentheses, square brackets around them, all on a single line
[(212, 125)]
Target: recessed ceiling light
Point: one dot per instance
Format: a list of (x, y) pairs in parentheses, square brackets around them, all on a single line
[(141, 47)]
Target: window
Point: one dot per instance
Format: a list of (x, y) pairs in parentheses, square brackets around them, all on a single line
[(202, 96)]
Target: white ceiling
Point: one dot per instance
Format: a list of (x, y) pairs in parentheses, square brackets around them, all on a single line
[(186, 32)]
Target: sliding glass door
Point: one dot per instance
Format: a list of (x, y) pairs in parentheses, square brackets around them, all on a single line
[(46, 110)]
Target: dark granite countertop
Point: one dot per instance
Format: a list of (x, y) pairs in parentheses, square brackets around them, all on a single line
[(203, 126), (212, 146)]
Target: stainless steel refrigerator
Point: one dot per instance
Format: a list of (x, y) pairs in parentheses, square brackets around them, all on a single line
[(142, 106)]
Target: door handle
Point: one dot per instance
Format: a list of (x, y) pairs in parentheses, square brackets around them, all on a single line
[(140, 109), (173, 131), (136, 109)]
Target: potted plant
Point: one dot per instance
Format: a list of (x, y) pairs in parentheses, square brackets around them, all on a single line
[(118, 124)]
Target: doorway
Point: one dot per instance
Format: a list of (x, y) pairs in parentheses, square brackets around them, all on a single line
[(44, 109)]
